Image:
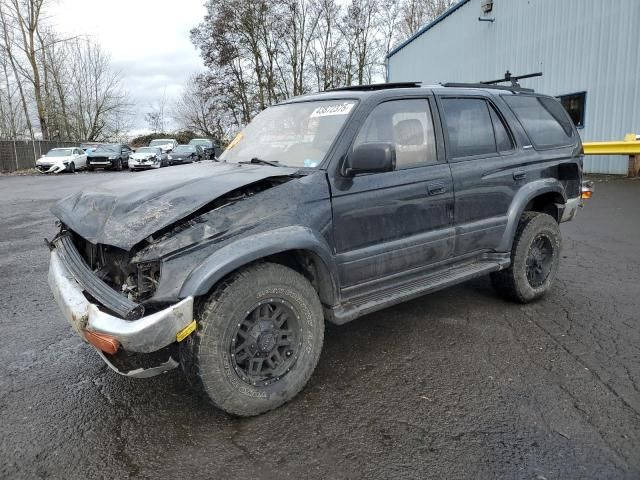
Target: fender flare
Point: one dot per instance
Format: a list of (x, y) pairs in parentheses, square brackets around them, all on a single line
[(254, 247), (527, 193)]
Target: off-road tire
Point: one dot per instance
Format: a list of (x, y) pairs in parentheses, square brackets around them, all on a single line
[(206, 356), (513, 282)]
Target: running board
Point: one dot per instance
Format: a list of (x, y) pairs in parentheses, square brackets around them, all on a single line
[(355, 307)]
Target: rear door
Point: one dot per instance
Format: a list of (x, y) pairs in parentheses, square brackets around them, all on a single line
[(388, 224), (484, 159)]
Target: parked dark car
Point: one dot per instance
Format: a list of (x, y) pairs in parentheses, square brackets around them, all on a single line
[(111, 156), (208, 146), (185, 154), (324, 208)]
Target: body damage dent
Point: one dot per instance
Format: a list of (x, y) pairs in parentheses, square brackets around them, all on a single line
[(123, 213)]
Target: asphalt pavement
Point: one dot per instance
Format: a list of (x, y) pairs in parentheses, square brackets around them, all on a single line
[(458, 384)]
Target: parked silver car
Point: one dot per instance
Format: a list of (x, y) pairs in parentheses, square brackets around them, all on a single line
[(148, 157)]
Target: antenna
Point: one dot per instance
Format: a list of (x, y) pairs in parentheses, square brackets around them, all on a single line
[(508, 77)]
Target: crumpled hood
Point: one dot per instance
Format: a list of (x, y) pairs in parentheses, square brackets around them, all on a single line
[(124, 212)]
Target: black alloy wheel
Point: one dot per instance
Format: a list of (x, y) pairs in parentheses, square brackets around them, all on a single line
[(266, 344), (539, 261)]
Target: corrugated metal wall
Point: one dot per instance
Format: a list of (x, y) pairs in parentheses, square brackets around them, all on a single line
[(579, 45)]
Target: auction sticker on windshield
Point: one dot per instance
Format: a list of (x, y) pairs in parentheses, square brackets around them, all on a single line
[(335, 109)]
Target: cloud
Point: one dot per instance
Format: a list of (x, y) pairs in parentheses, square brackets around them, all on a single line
[(148, 41)]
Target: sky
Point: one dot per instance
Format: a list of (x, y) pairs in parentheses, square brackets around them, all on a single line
[(148, 41)]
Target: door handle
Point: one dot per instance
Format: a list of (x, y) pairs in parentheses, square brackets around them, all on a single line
[(519, 175), (436, 189)]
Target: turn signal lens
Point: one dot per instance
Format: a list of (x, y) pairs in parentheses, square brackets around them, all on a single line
[(586, 194), (102, 342)]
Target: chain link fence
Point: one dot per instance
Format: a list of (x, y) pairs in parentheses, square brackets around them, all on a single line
[(22, 154)]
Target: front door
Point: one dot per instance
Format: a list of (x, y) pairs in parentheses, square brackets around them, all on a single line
[(394, 222)]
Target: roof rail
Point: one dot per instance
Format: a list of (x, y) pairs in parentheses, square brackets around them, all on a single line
[(376, 86), (488, 86)]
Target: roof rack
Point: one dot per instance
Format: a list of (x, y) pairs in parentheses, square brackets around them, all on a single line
[(376, 86), (486, 85), (508, 77)]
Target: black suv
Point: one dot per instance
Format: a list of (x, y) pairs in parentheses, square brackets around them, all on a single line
[(326, 207), (111, 156), (208, 146)]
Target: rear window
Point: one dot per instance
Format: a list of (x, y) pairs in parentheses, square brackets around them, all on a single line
[(543, 119)]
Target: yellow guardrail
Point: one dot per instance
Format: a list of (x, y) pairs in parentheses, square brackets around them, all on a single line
[(629, 146)]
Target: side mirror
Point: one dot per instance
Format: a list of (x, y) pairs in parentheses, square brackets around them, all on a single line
[(371, 158)]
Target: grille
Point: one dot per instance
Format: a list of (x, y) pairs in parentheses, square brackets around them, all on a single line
[(94, 286)]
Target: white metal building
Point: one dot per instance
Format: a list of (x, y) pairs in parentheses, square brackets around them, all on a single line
[(587, 50)]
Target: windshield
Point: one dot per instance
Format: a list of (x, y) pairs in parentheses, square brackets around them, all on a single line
[(147, 150), (155, 143), (107, 148), (295, 134), (202, 143), (59, 152), (185, 148)]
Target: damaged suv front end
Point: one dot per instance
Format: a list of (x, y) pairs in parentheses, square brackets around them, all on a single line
[(123, 255)]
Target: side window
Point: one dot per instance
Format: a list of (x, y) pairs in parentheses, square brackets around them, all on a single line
[(468, 124), (408, 125), (503, 139), (544, 120)]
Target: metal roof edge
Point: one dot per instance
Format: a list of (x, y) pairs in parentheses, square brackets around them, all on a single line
[(428, 26)]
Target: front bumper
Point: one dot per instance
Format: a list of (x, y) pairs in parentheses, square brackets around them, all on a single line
[(51, 168), (145, 335), (140, 164), (100, 162)]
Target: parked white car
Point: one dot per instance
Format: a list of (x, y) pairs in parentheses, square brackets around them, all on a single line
[(148, 157), (166, 144), (57, 160)]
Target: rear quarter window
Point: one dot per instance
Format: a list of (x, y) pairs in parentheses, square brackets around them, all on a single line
[(544, 120)]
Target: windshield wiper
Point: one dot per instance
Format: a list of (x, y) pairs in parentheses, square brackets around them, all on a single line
[(273, 163)]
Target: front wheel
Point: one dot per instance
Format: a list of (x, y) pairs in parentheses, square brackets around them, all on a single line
[(258, 340), (118, 165), (535, 257)]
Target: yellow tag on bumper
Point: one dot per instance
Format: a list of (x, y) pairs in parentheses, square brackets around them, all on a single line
[(186, 331)]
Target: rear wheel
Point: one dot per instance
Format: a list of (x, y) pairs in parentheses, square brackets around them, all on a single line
[(535, 257), (258, 341)]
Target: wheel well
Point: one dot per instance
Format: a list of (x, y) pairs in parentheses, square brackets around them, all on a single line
[(312, 267), (305, 262), (546, 203)]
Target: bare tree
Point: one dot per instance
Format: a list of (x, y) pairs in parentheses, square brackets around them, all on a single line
[(10, 55), (202, 109), (258, 52), (416, 13), (155, 118), (26, 15), (100, 108)]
